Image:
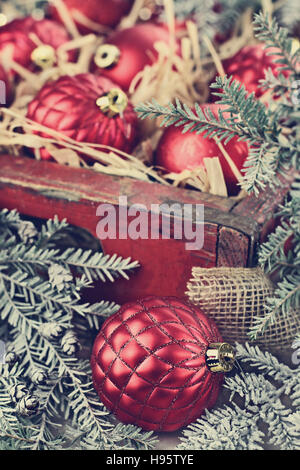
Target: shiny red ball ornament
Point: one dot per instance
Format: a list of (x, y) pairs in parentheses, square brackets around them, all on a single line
[(128, 51), (87, 108), (249, 66), (177, 151), (101, 12), (33, 42), (158, 363)]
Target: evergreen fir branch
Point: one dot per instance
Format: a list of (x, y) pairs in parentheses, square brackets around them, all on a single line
[(279, 84), (100, 312), (277, 37), (48, 424), (283, 426), (287, 293), (240, 428), (286, 298), (88, 414), (295, 395), (264, 361), (295, 194), (50, 231), (247, 112), (23, 257), (270, 253), (198, 121), (92, 264), (256, 389), (134, 438), (9, 219), (39, 301), (22, 294), (97, 265), (260, 169), (22, 438), (9, 377), (226, 428)]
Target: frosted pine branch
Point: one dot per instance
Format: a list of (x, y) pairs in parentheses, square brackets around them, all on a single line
[(239, 428), (277, 37), (39, 302)]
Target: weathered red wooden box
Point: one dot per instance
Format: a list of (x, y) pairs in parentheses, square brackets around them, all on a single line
[(232, 228)]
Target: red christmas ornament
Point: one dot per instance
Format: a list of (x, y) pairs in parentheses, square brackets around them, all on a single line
[(177, 152), (100, 12), (6, 90), (87, 108), (128, 51), (33, 42), (249, 65), (155, 363)]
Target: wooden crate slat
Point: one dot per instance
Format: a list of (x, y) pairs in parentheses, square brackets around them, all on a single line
[(232, 228)]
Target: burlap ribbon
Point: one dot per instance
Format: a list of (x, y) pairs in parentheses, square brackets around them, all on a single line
[(233, 297)]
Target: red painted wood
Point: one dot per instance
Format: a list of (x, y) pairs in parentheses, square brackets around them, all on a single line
[(233, 248), (45, 189)]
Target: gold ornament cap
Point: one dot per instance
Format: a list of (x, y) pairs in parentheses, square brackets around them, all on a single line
[(43, 56), (107, 55), (220, 357), (113, 103)]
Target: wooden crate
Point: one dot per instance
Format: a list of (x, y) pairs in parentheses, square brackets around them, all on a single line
[(233, 228)]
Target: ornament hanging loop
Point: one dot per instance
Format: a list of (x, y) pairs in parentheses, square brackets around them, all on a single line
[(107, 55), (43, 56), (220, 357), (113, 103)]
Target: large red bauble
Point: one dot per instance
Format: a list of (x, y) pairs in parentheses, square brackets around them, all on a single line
[(19, 33), (149, 367), (249, 65), (69, 106), (177, 151), (134, 49), (102, 12)]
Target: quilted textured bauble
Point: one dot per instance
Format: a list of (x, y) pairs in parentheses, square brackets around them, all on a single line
[(152, 363), (100, 12), (177, 151), (249, 66), (33, 42), (87, 108), (128, 51)]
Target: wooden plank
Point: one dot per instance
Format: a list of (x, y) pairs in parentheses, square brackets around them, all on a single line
[(232, 229), (165, 264), (232, 248), (78, 183), (72, 184)]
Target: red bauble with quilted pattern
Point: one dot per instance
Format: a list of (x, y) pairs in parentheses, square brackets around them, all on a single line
[(149, 363), (71, 106), (33, 42), (128, 51), (101, 12)]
